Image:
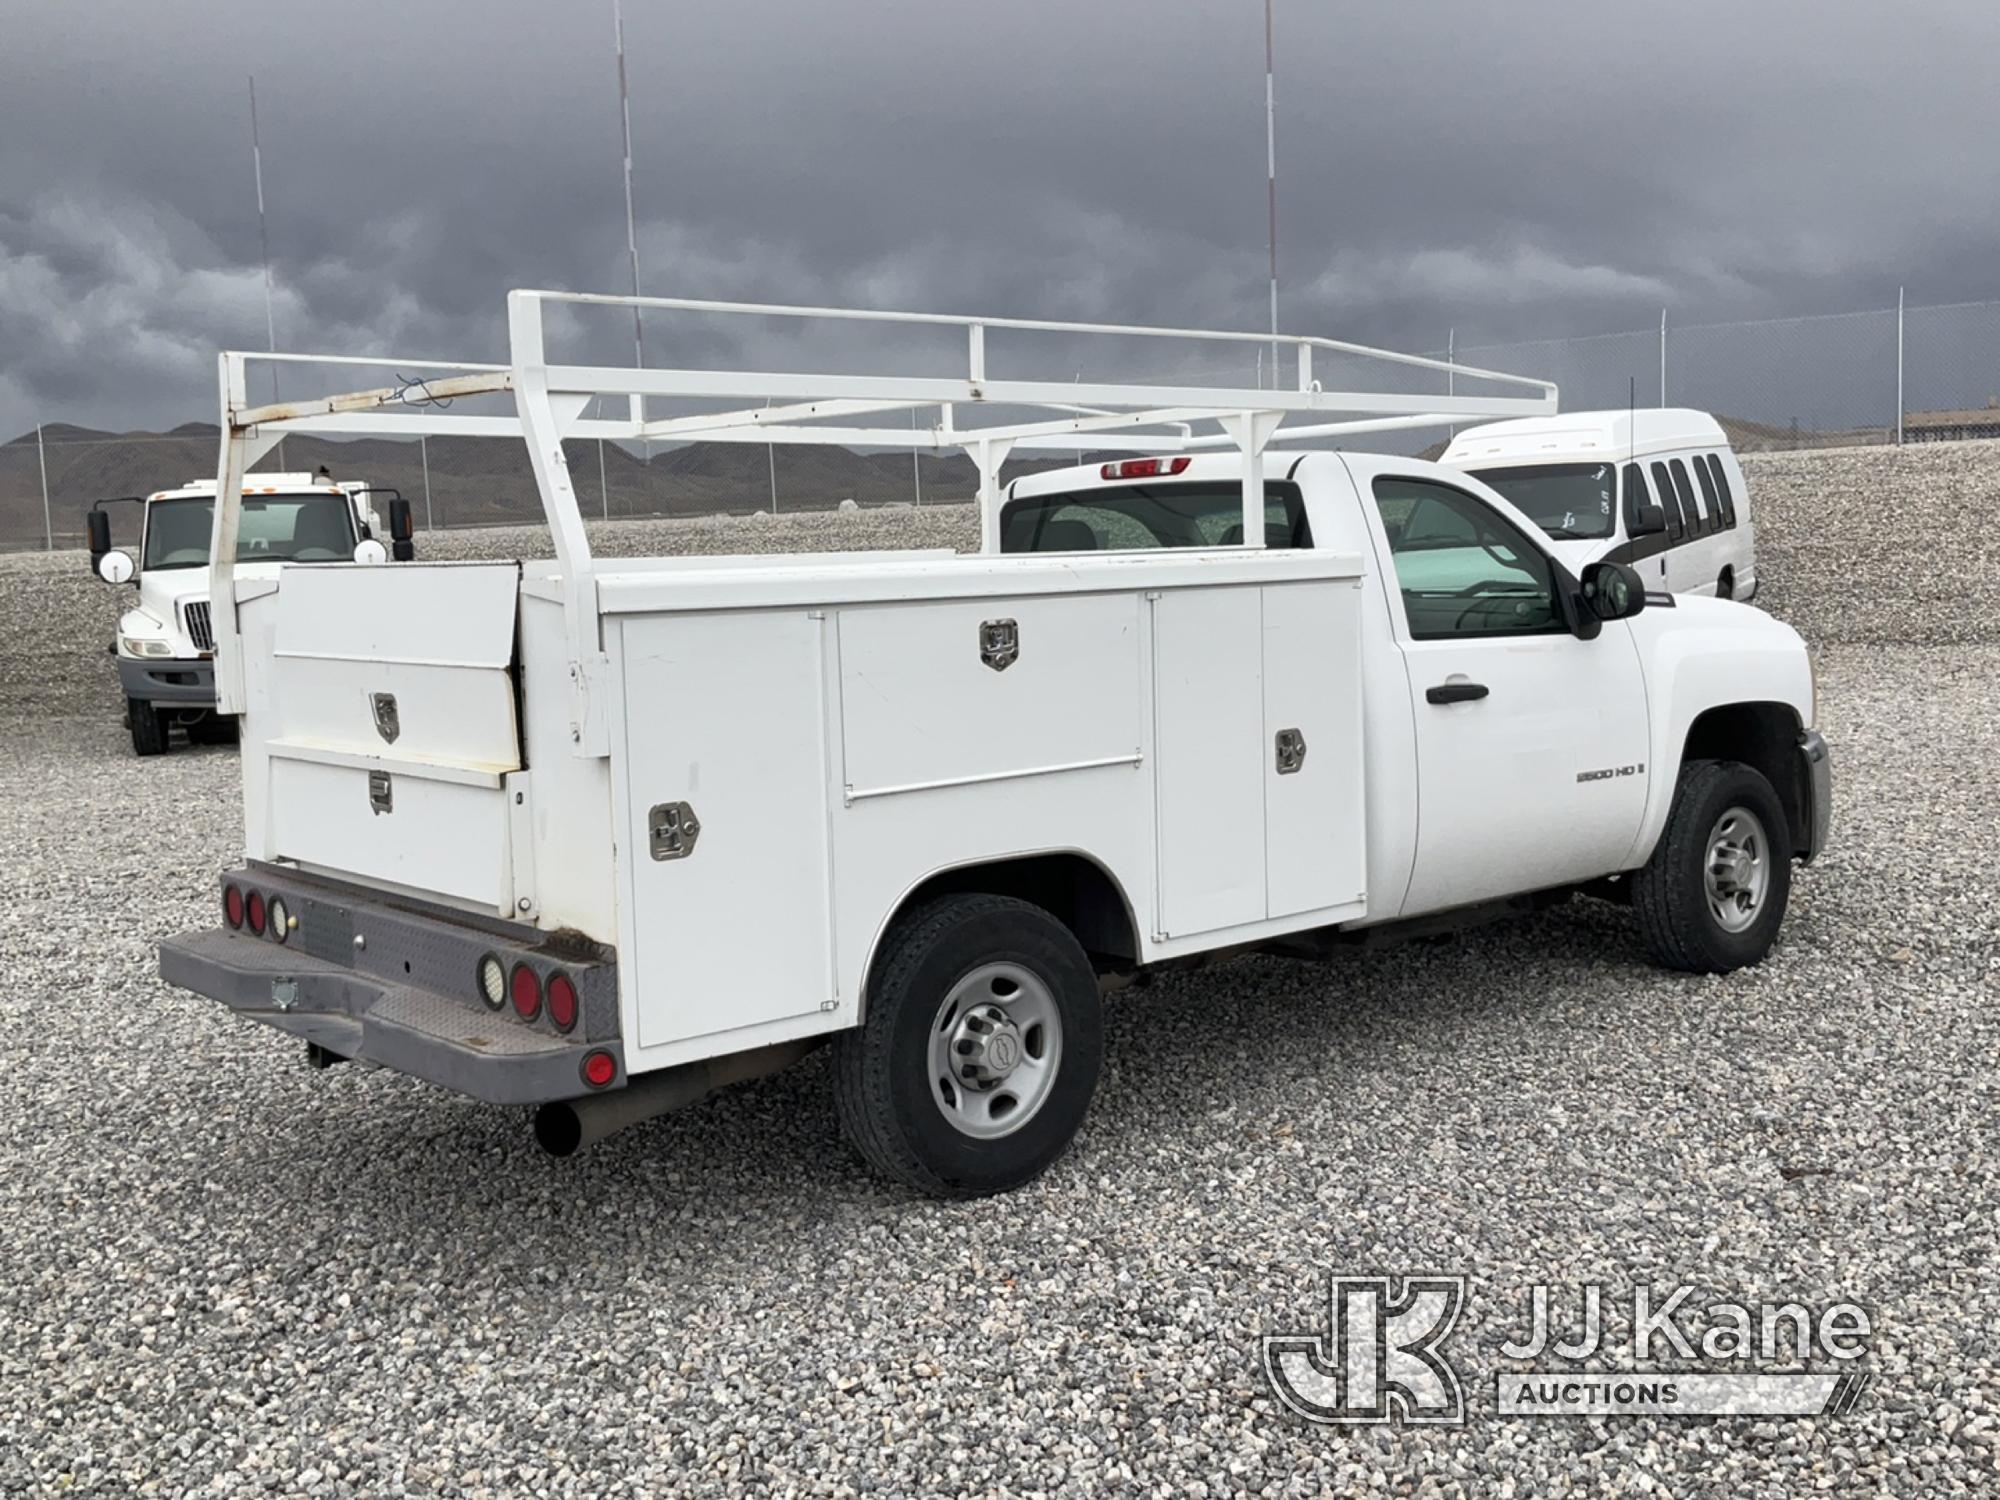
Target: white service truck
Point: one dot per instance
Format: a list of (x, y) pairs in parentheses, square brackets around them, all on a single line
[(599, 835), (165, 644)]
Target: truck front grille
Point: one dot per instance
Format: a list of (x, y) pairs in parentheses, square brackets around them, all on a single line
[(194, 617)]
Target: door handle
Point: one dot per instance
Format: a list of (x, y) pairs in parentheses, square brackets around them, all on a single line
[(1455, 692)]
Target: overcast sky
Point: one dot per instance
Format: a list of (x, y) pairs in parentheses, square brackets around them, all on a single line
[(1515, 170)]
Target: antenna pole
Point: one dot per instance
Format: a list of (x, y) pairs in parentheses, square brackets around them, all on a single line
[(1663, 358), (264, 251), (42, 458), (631, 229), (1271, 177), (631, 226), (1899, 367), (1451, 373)]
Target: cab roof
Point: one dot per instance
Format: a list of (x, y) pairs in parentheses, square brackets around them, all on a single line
[(255, 484), (1210, 467), (1585, 435)]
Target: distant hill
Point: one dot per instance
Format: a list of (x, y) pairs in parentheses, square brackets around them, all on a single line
[(473, 481), (485, 481)]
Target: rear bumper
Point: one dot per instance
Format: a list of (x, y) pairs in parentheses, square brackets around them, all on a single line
[(185, 684), (1816, 774), (399, 987)]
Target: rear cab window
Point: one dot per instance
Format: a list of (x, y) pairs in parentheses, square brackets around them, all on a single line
[(1138, 517)]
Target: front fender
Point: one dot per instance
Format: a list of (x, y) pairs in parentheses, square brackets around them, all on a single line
[(1704, 654)]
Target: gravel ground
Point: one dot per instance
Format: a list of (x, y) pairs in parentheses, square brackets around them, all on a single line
[(227, 1273)]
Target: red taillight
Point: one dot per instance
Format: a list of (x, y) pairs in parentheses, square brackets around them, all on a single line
[(599, 1068), (527, 991), (562, 1001), (232, 906), (1144, 468), (253, 910)]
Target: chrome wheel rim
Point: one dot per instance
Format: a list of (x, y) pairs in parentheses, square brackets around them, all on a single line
[(1737, 872), (995, 1046)]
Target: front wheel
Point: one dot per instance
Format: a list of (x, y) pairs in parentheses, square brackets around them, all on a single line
[(1711, 897), (975, 1063), (149, 727)]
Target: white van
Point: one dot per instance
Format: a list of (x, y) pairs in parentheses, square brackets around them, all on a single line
[(1656, 488)]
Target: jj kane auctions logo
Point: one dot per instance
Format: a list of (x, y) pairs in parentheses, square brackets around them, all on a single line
[(1381, 1357)]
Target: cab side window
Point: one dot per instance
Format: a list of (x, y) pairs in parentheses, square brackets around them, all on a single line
[(1663, 486), (1718, 520), (1636, 497), (1464, 569), (1722, 488), (1698, 524)]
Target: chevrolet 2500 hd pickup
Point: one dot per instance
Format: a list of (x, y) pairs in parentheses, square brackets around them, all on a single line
[(599, 835)]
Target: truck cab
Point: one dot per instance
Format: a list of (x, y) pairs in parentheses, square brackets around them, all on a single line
[(165, 644), (1541, 748)]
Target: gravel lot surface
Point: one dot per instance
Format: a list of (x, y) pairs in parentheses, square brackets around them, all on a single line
[(229, 1274)]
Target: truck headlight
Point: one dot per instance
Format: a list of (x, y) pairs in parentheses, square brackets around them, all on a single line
[(137, 647)]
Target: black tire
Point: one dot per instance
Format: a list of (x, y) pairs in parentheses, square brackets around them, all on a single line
[(149, 727), (888, 1104), (213, 729), (1725, 585), (1671, 894)]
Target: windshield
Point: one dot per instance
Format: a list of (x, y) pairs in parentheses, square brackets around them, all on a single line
[(1565, 500), (275, 528)]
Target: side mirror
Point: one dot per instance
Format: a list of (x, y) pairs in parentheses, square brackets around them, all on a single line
[(1613, 591), (402, 534), (98, 524), (112, 567), (370, 551), (1649, 520)]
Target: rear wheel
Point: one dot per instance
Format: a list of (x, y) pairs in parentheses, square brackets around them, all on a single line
[(1725, 585), (977, 1057), (149, 727), (1712, 896)]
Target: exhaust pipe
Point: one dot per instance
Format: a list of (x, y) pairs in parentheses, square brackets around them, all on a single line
[(566, 1126)]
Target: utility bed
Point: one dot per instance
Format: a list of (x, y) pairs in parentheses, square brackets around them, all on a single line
[(794, 745)]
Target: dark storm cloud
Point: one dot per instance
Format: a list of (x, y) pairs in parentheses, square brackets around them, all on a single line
[(1522, 170)]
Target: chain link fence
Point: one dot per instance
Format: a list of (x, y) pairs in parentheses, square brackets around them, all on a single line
[(1836, 380), (1874, 376)]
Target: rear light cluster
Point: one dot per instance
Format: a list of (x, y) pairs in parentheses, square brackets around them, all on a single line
[(528, 992), (271, 918), (1145, 468)]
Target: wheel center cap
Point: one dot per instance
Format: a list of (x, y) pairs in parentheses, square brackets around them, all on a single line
[(1003, 1051), (986, 1047)]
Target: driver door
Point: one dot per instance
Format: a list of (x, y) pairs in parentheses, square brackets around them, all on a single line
[(1531, 743)]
